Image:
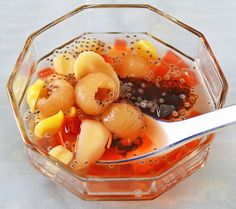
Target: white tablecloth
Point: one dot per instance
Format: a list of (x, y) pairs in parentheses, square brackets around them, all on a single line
[(21, 187)]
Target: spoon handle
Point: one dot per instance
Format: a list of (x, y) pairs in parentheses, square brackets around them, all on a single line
[(201, 125)]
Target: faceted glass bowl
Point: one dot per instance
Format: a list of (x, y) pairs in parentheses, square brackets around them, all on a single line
[(136, 179)]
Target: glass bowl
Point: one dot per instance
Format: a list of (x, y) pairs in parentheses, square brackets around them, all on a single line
[(140, 178)]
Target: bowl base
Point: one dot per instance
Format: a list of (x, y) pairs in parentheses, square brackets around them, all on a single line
[(122, 189)]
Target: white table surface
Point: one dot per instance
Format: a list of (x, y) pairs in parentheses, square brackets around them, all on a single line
[(21, 187)]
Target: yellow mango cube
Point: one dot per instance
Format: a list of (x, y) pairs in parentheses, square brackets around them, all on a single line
[(49, 126), (146, 50), (34, 92), (62, 154)]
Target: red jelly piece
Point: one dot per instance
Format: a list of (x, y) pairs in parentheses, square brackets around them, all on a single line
[(160, 166), (120, 44), (112, 154), (72, 124), (170, 58), (188, 77), (70, 131), (182, 65), (52, 141), (159, 70), (125, 142), (45, 72), (192, 145), (194, 113), (176, 155), (142, 167)]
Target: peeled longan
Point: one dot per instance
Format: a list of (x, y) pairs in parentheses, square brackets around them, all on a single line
[(91, 62), (123, 120), (133, 66), (87, 88), (61, 98)]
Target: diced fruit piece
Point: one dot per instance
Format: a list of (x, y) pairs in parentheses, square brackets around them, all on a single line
[(176, 155), (70, 131), (62, 154), (142, 167), (133, 66), (46, 142), (64, 64), (54, 141), (45, 72), (44, 92), (182, 64), (189, 77), (72, 124), (49, 126), (170, 58), (119, 50), (111, 154), (151, 166), (159, 70), (123, 120), (91, 143), (126, 142), (193, 144), (86, 89), (116, 53), (160, 166), (146, 50), (120, 44), (33, 93), (91, 62), (69, 140), (194, 113)]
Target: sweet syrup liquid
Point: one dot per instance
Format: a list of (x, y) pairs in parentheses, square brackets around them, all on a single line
[(167, 98)]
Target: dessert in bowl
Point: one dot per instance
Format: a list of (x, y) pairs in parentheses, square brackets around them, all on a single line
[(87, 91)]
